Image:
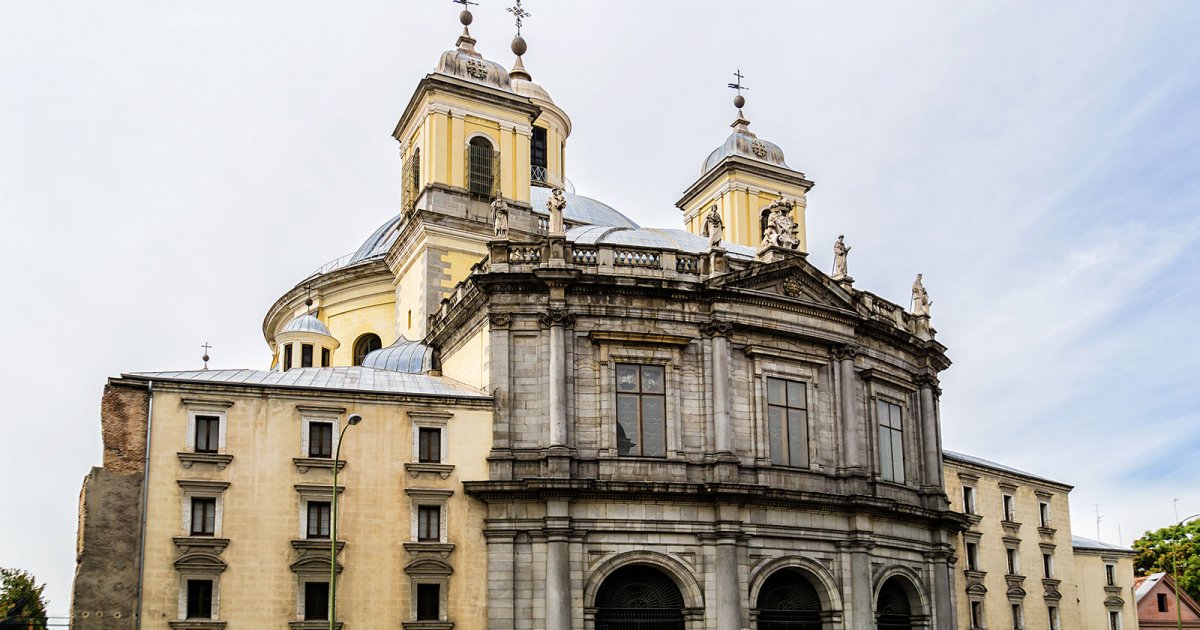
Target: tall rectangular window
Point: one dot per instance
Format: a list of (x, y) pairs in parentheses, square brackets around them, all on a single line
[(968, 499), (204, 516), (429, 445), (1053, 613), (1110, 575), (429, 602), (1047, 565), (537, 149), (1044, 514), (787, 419), (318, 519), (199, 599), (287, 357), (1013, 565), (324, 357), (641, 410), (1017, 616), (316, 601), (306, 355), (320, 439), (972, 556), (891, 441), (208, 434), (429, 523), (1114, 620), (1162, 602), (976, 614), (1010, 508)]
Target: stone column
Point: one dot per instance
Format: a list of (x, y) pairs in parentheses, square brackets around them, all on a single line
[(929, 431), (862, 598), (942, 563), (557, 320), (729, 596), (558, 565), (853, 444), (722, 427), (501, 585)]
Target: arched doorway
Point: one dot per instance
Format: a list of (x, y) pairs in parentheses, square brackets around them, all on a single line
[(788, 601), (639, 597), (893, 611)]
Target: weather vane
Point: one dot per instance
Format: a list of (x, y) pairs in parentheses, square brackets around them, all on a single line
[(739, 100), (466, 3), (519, 13), (205, 357)]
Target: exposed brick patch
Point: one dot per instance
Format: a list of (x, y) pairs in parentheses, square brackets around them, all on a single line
[(123, 428)]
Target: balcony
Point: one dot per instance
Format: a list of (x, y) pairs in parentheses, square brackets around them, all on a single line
[(546, 178)]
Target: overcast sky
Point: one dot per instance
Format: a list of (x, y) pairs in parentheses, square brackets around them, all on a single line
[(167, 169)]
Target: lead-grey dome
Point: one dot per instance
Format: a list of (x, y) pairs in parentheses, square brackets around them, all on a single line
[(307, 323), (580, 209), (742, 142), (465, 63), (412, 357)]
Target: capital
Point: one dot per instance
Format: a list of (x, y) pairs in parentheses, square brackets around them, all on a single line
[(845, 351), (927, 380), (556, 317), (500, 320), (717, 328)]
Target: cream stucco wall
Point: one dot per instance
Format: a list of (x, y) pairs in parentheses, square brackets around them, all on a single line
[(468, 363), (740, 197), (1096, 598), (261, 513)]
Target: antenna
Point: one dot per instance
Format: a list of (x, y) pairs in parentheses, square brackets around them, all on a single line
[(1099, 517)]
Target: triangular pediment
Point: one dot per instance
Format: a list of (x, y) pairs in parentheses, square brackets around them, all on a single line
[(792, 278)]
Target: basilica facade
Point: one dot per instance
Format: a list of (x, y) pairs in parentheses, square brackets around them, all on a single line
[(541, 415)]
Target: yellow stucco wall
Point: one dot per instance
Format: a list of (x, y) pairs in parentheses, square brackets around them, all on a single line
[(262, 511), (1091, 578), (468, 363), (740, 197)]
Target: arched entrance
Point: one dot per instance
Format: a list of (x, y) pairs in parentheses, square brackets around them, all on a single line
[(788, 601), (639, 597), (893, 611)]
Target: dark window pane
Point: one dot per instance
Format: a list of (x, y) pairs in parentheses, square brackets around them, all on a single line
[(537, 147), (287, 357), (324, 357), (429, 523), (795, 395), (481, 168), (429, 445), (897, 457), (628, 439), (208, 432), (199, 599), (429, 602), (204, 516), (318, 519), (316, 601), (306, 355), (652, 379), (320, 439), (654, 426), (627, 377), (885, 453), (798, 437), (776, 392), (777, 428), (365, 345)]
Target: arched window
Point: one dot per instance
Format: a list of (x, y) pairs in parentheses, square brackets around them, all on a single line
[(639, 597), (365, 345), (483, 165), (788, 601), (894, 610)]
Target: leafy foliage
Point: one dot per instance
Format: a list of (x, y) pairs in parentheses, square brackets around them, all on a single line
[(21, 602), (1175, 550)]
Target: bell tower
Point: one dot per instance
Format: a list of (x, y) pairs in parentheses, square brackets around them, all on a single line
[(741, 179)]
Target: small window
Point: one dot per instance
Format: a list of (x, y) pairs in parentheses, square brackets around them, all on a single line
[(1047, 565), (976, 614), (365, 345), (1010, 510), (429, 602), (316, 601), (429, 523), (1110, 575), (1017, 617), (306, 355), (1044, 514), (972, 556), (1114, 620), (287, 357), (1014, 567), (482, 164), (1053, 612), (787, 417), (320, 439), (208, 434), (537, 152), (199, 599), (429, 445), (204, 516), (324, 357), (1162, 602), (318, 519), (891, 441), (968, 499), (641, 410)]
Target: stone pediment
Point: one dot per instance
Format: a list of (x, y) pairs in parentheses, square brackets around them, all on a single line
[(792, 278)]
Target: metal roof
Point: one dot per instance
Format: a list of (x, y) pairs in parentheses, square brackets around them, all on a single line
[(979, 461), (1079, 542), (655, 238), (306, 323), (744, 143), (359, 379), (580, 209), (412, 357), (378, 244)]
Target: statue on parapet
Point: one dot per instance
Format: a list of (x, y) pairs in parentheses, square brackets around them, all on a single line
[(555, 205), (500, 216), (920, 299), (714, 228), (840, 252), (780, 230)]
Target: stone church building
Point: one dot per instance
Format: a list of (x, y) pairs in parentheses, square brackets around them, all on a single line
[(540, 415)]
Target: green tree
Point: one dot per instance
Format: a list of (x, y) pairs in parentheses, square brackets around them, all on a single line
[(21, 602), (1175, 550)]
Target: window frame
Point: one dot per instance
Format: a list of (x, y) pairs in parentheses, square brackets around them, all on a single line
[(310, 415), (968, 497), (1008, 507), (425, 446), (306, 355), (417, 604), (977, 613), (303, 597), (429, 531), (187, 597), (208, 528), (896, 434), (1110, 574), (785, 425), (641, 396), (364, 338), (493, 175), (194, 412), (1044, 516), (971, 550), (429, 498), (320, 423), (326, 357), (287, 356), (198, 489), (1054, 620), (1018, 615), (307, 526)]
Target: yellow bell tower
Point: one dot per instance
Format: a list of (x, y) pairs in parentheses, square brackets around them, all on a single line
[(741, 178)]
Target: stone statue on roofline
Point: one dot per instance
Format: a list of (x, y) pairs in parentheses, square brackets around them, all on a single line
[(714, 228), (920, 299), (840, 252), (500, 216), (780, 230), (555, 205)]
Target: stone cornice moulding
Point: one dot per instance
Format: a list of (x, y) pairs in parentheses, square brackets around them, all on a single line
[(438, 494), (207, 403), (307, 408), (755, 350), (658, 339), (202, 485), (430, 417), (309, 491)]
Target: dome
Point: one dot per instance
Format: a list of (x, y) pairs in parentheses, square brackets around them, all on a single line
[(412, 357), (580, 209), (650, 238), (530, 90), (307, 323), (742, 142), (467, 64), (378, 244)]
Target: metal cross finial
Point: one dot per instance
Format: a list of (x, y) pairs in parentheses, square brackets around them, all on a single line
[(205, 357), (519, 13), (738, 86), (466, 3)]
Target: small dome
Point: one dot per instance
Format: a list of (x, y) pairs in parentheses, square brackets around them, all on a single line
[(307, 323), (580, 209), (744, 143), (412, 357), (467, 64), (530, 90)]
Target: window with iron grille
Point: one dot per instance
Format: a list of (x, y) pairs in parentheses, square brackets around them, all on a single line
[(208, 434), (483, 168), (641, 410), (787, 419), (429, 523), (316, 601), (429, 445), (204, 516), (411, 174), (429, 602), (199, 599), (318, 519), (891, 441), (320, 439), (365, 345)]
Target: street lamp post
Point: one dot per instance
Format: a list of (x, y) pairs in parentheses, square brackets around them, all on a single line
[(333, 516), (1175, 575)]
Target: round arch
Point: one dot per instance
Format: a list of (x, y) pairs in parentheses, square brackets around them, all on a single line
[(681, 574), (821, 578), (364, 345), (486, 136), (893, 581)]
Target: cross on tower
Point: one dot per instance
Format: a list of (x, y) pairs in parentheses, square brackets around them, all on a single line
[(519, 13), (466, 3), (738, 85), (205, 357)]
